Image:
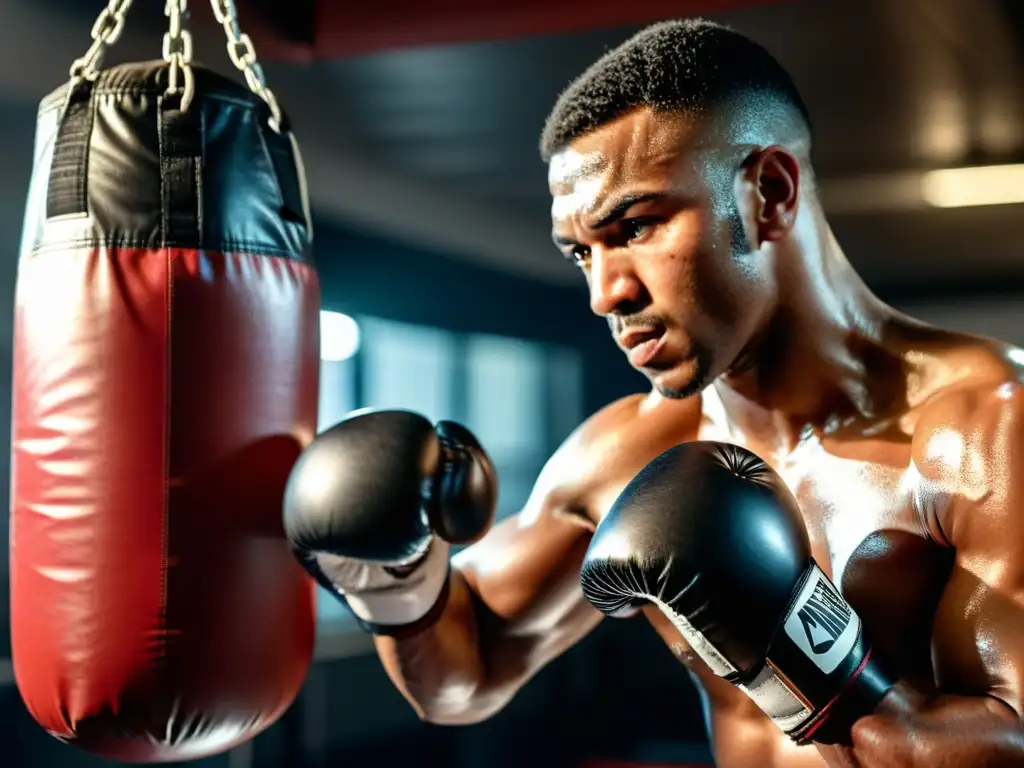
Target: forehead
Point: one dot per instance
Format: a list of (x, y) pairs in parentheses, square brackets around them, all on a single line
[(643, 149)]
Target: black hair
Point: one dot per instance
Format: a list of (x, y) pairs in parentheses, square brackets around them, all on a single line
[(688, 65)]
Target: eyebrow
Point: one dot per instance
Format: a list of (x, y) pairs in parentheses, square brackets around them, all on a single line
[(623, 206), (616, 213)]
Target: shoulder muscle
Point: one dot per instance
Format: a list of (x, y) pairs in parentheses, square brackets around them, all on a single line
[(967, 443)]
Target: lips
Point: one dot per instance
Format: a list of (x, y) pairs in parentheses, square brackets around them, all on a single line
[(642, 344)]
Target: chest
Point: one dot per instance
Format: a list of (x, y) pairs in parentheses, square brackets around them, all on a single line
[(850, 502), (862, 504)]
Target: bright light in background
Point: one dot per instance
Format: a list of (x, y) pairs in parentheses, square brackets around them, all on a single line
[(982, 185), (339, 336), (943, 135)]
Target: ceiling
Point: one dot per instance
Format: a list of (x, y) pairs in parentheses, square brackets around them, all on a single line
[(436, 144)]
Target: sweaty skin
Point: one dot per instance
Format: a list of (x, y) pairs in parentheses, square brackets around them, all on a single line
[(903, 444)]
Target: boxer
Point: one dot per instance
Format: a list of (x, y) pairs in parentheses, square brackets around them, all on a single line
[(683, 188)]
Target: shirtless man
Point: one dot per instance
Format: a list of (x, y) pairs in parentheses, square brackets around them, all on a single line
[(682, 186)]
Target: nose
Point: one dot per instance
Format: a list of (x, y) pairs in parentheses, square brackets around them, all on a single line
[(614, 285)]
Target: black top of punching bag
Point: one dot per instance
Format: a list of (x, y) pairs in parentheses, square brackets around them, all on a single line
[(121, 165)]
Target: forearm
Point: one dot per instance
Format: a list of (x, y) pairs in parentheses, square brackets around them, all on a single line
[(940, 731), (441, 670)]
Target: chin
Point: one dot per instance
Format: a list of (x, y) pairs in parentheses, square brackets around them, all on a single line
[(686, 379)]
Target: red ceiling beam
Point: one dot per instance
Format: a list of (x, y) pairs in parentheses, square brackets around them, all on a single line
[(329, 29)]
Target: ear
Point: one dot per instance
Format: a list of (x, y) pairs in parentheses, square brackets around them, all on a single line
[(772, 181)]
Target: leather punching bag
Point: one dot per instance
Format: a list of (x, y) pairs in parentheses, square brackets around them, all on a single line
[(166, 363)]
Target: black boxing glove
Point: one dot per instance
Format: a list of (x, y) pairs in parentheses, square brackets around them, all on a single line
[(710, 534), (372, 506)]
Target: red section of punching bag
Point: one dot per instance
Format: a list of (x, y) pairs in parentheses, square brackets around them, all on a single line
[(85, 485), (161, 397), (156, 412)]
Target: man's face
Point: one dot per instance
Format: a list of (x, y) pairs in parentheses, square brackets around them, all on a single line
[(647, 209)]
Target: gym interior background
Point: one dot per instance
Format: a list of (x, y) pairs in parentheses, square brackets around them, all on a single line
[(419, 131)]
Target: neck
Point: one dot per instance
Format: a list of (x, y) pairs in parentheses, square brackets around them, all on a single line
[(820, 361)]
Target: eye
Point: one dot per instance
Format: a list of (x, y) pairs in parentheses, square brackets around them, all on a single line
[(634, 229), (578, 254)]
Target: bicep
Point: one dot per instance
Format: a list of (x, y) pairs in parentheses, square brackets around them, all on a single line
[(980, 620), (525, 574), (523, 581), (976, 645)]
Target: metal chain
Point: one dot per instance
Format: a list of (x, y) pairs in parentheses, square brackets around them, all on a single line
[(105, 32), (177, 51), (243, 56)]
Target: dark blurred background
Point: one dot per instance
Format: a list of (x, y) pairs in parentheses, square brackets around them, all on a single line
[(442, 293)]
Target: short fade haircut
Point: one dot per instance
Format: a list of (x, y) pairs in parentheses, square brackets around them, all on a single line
[(692, 66)]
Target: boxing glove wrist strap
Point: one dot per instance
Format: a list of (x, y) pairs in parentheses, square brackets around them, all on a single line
[(390, 600), (820, 668), (859, 696), (410, 629)]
